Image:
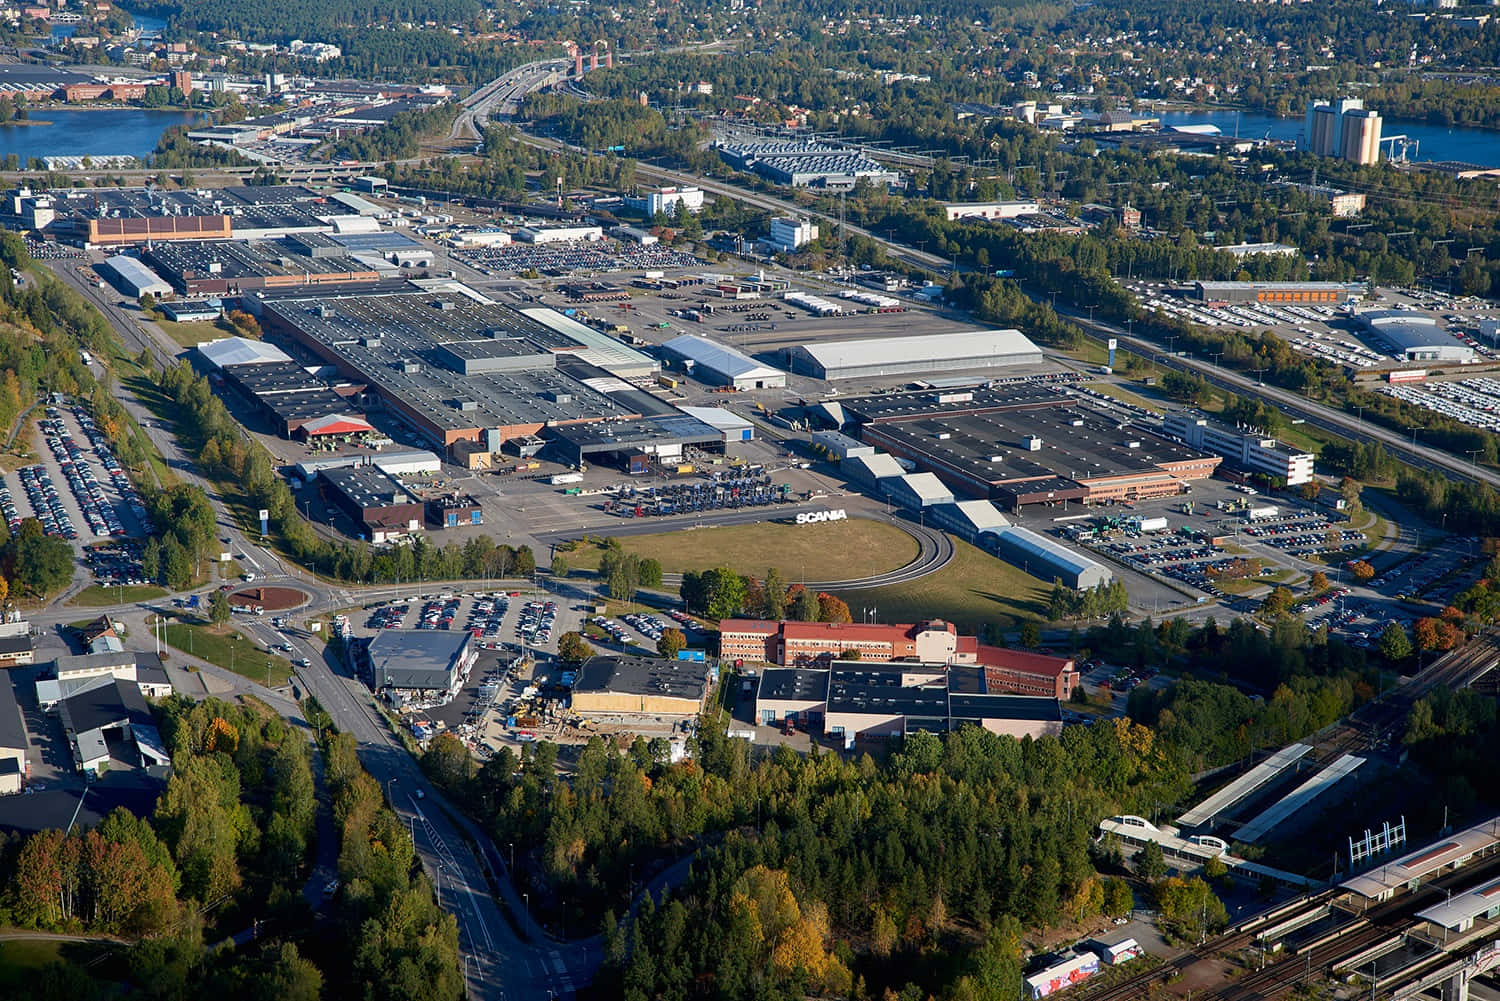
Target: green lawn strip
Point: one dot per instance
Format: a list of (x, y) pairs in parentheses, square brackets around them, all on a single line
[(189, 333), (974, 589), (228, 650), (837, 550), (1119, 392), (100, 596)]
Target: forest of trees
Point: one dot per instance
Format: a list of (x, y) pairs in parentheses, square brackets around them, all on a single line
[(954, 842), (228, 846), (401, 137)]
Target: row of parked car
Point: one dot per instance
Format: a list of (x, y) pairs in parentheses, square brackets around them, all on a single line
[(42, 494), (439, 613), (536, 622), (8, 508), (106, 453), (487, 616), (96, 508)]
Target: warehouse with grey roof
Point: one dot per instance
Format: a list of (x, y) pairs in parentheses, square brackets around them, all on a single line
[(927, 354), (427, 667)]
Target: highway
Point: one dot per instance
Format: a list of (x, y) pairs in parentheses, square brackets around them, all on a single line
[(1298, 407)]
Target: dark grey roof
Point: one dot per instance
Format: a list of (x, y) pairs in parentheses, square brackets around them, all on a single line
[(680, 679), (12, 723), (881, 691), (1017, 707), (105, 706), (415, 658), (15, 644), (792, 683)]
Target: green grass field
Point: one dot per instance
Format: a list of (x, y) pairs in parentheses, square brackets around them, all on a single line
[(98, 596), (836, 550), (972, 590), (1119, 392), (190, 332), (230, 651)]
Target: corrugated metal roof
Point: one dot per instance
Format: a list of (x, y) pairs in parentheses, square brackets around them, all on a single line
[(240, 351), (718, 418), (719, 358), (137, 274), (1055, 553), (927, 347), (600, 349)]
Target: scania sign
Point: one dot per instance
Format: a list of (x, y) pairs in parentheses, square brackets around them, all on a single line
[(813, 517)]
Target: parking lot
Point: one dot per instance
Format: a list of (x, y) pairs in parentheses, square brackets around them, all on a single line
[(78, 490), (510, 621), (1475, 402), (1306, 535)]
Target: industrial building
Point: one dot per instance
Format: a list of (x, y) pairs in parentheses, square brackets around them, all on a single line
[(711, 361), (108, 723), (16, 647), (1296, 293), (928, 354), (373, 500), (1048, 560), (1344, 128), (229, 351), (226, 267), (296, 403), (1413, 336), (787, 235), (990, 210), (453, 510), (664, 201), (970, 520), (14, 743), (849, 702), (454, 366), (114, 217), (914, 491), (633, 686), (68, 675), (420, 667), (632, 446), (923, 645), (801, 164), (1245, 450), (732, 426), (132, 278), (1027, 444)]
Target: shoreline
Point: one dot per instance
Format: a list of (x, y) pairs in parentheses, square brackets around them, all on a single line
[(25, 121)]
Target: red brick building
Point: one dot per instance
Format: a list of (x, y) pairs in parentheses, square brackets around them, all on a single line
[(817, 644)]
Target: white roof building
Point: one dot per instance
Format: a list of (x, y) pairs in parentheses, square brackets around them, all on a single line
[(135, 279), (928, 354), (733, 426), (240, 351), (723, 364)]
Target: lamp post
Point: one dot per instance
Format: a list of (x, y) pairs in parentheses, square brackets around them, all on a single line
[(512, 857), (389, 795)]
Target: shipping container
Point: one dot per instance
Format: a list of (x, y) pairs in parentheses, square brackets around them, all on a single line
[(559, 479)]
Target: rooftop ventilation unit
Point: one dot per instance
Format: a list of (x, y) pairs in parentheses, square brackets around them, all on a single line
[(1032, 442), (443, 305), (410, 366), (1132, 444), (467, 406), (326, 312), (369, 342)]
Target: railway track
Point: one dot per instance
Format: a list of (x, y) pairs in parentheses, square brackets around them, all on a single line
[(1384, 921)]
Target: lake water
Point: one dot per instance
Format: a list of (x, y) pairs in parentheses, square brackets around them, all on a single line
[(102, 132), (1479, 146)]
